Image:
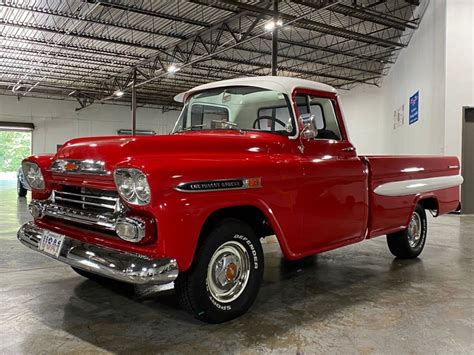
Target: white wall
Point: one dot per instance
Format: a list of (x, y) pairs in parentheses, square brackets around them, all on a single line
[(363, 116), (57, 121), (459, 70), (420, 67), (439, 64)]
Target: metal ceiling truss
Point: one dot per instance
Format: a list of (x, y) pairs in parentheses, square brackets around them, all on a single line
[(94, 50)]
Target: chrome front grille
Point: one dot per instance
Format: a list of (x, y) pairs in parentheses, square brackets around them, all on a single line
[(104, 221), (87, 199), (93, 209)]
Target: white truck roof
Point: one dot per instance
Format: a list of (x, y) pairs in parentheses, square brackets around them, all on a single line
[(277, 83)]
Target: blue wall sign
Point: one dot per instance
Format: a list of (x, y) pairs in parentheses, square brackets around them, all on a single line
[(414, 105)]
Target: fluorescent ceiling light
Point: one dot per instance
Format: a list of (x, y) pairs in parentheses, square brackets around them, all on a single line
[(270, 26), (119, 93), (173, 68)]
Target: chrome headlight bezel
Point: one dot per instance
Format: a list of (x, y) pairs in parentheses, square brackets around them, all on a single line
[(132, 185), (33, 175)]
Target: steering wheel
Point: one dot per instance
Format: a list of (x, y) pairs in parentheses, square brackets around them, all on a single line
[(256, 123)]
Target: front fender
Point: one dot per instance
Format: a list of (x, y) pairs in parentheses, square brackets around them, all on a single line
[(181, 218)]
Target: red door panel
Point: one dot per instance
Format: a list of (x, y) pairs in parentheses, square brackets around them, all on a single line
[(333, 197)]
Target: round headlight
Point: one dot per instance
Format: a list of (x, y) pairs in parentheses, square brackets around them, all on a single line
[(33, 175), (133, 186), (125, 184), (142, 189)]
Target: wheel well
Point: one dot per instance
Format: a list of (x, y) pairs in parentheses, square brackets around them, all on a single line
[(249, 214), (429, 203)]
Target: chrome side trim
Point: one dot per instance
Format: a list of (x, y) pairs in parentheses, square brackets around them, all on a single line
[(111, 263), (219, 185), (416, 186), (412, 170)]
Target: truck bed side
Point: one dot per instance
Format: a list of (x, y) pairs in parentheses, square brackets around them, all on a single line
[(397, 183)]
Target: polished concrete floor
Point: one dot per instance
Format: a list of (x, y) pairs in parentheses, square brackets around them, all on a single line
[(355, 300)]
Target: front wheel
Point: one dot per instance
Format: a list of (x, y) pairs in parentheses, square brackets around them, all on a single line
[(409, 243), (225, 277), (21, 191)]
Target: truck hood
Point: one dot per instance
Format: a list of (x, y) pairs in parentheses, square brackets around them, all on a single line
[(117, 150)]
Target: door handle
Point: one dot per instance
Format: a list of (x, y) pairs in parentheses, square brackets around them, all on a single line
[(348, 149)]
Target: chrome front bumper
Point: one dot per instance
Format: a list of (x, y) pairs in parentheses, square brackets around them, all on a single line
[(111, 263)]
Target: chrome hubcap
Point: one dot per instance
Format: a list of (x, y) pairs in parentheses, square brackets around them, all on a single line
[(414, 230), (228, 272)]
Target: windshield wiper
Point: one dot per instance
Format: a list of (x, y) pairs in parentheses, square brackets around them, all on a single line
[(190, 128), (223, 123)]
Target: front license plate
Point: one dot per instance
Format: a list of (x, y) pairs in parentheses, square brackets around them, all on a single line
[(51, 243)]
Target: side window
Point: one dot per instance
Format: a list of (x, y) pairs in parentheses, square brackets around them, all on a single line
[(205, 114), (323, 110), (317, 111)]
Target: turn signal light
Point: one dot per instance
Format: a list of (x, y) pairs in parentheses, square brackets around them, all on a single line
[(36, 210), (131, 229)]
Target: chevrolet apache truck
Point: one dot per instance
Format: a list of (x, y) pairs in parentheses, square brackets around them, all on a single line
[(247, 158)]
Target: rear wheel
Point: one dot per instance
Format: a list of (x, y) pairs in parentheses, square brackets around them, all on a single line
[(409, 243), (225, 277)]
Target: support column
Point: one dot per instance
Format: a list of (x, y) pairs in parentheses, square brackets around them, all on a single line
[(134, 103), (275, 40)]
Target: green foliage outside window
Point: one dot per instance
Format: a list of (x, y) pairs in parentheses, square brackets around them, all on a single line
[(14, 147)]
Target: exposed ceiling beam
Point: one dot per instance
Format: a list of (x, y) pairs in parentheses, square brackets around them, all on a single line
[(77, 17), (148, 12), (316, 26), (366, 15), (88, 49)]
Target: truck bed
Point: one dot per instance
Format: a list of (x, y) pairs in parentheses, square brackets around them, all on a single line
[(397, 183)]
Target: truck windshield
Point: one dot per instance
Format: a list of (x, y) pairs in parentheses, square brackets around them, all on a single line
[(237, 107)]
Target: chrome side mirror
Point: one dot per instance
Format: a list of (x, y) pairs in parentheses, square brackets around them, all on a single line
[(289, 126), (308, 121)]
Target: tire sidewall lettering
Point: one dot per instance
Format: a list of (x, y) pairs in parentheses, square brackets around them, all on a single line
[(220, 306), (253, 252)]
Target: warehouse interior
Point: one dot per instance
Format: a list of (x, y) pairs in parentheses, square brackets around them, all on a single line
[(74, 68)]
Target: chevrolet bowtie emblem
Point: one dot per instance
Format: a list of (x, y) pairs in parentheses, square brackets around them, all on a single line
[(70, 166)]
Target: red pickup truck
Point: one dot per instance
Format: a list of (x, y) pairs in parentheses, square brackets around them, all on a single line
[(248, 158)]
